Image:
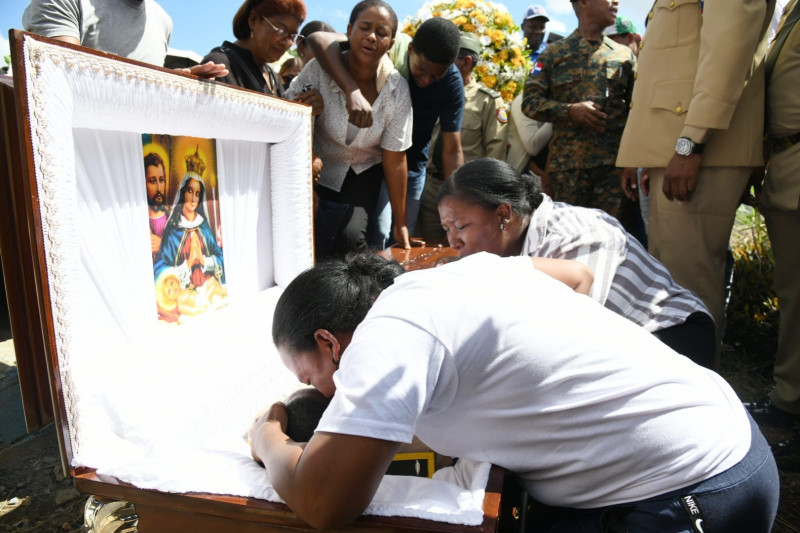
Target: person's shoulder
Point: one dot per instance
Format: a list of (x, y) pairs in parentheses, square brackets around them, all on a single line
[(619, 49), (563, 46), (487, 92)]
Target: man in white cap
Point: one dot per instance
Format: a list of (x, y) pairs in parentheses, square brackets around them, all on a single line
[(533, 24)]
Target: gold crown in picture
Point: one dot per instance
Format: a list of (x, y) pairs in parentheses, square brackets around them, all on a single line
[(194, 163)]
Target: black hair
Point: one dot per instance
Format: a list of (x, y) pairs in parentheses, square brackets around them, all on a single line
[(304, 413), (438, 39), (489, 182), (466, 52), (334, 295), (314, 26), (152, 159), (366, 4)]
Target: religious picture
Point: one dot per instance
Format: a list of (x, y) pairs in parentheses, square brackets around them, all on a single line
[(185, 231)]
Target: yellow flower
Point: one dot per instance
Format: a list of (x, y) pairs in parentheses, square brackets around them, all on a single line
[(498, 26)]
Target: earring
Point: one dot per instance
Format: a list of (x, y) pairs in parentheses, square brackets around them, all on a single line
[(502, 227)]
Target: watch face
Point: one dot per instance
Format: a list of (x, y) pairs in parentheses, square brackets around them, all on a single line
[(684, 146)]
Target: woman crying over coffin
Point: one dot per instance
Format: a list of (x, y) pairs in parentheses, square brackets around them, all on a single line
[(491, 359)]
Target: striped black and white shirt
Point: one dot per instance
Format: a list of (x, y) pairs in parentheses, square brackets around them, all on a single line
[(627, 279)]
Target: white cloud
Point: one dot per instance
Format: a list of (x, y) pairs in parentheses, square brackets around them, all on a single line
[(559, 7), (557, 26), (5, 49)]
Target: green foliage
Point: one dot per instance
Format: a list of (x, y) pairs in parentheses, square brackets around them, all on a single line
[(752, 316)]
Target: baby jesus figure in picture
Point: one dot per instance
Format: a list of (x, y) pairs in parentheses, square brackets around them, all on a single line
[(189, 271)]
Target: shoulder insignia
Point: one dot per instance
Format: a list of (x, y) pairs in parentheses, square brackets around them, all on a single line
[(490, 92), (502, 115)]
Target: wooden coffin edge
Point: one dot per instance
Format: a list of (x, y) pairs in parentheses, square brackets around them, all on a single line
[(153, 506)]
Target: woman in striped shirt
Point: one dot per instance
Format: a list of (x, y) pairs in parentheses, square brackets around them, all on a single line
[(488, 206)]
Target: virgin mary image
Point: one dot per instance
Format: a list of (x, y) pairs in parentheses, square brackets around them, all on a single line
[(188, 269)]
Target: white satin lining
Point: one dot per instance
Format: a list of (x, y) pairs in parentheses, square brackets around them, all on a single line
[(165, 407)]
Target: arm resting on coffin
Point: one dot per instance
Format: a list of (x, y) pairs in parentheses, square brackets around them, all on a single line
[(327, 482), (575, 275), (395, 171)]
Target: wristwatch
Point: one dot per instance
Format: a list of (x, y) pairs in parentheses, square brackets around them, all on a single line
[(686, 147)]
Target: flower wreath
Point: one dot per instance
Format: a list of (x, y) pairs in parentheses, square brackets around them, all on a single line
[(503, 64)]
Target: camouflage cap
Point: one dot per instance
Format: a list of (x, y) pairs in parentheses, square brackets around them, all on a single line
[(471, 42), (622, 26)]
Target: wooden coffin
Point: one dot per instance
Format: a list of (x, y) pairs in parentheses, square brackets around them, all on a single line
[(122, 335)]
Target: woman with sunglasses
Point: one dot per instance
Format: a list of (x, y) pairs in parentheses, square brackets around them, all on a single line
[(264, 31)]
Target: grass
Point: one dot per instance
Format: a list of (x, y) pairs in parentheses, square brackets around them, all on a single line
[(751, 336)]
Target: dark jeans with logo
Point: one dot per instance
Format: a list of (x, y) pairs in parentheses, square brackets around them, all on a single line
[(743, 499)]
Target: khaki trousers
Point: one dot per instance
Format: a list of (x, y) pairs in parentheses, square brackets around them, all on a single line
[(784, 234), (691, 238)]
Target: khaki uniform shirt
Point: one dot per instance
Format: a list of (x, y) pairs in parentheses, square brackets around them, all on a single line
[(701, 76), (482, 127), (575, 70), (782, 185)]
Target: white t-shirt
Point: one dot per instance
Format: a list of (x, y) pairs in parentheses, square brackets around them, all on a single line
[(136, 29), (488, 359)]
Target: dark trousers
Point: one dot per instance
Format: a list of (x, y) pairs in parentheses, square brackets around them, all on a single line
[(743, 499), (342, 217), (695, 338)]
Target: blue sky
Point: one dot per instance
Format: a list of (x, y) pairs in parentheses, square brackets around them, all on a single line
[(200, 25)]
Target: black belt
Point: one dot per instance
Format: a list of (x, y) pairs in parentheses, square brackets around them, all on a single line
[(784, 142)]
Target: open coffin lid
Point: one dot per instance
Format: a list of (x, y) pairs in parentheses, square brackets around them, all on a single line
[(154, 409)]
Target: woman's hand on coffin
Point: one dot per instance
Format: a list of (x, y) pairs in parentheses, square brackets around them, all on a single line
[(400, 234), (208, 70), (313, 98), (331, 481), (359, 110)]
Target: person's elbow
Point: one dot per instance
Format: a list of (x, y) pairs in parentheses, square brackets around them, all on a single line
[(324, 514), (585, 278)]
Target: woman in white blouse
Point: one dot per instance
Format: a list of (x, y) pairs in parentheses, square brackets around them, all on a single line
[(355, 160)]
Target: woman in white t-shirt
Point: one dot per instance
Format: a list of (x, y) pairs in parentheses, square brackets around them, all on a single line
[(489, 359)]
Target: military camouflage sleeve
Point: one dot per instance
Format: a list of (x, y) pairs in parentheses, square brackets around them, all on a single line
[(537, 102)]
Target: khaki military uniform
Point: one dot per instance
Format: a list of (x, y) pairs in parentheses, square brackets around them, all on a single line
[(482, 135), (700, 76), (781, 201), (582, 160)]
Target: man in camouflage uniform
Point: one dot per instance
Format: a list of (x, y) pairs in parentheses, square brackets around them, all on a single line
[(584, 89), (482, 135)]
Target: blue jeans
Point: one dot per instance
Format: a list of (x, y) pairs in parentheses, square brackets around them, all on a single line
[(379, 234), (743, 499)]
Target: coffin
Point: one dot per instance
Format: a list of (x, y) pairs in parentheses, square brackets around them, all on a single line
[(159, 358)]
